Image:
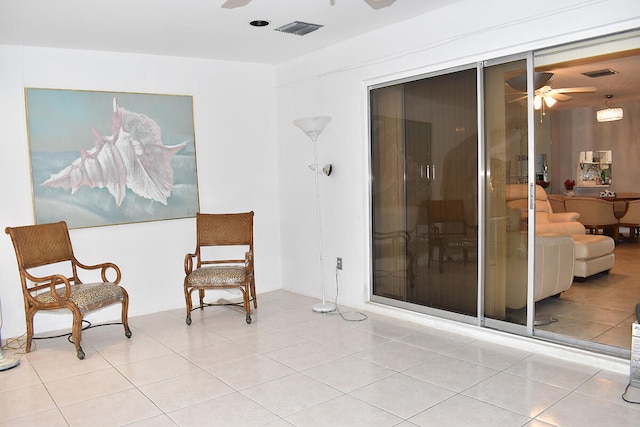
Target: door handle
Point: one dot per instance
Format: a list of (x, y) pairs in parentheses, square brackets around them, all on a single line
[(431, 172)]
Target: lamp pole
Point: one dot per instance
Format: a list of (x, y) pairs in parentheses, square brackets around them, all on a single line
[(313, 126)]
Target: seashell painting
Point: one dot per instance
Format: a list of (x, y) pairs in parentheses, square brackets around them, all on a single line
[(102, 158), (134, 157)]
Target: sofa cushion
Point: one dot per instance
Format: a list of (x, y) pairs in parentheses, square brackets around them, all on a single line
[(589, 246), (546, 220), (569, 227)]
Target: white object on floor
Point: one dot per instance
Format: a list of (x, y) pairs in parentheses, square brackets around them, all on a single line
[(6, 362)]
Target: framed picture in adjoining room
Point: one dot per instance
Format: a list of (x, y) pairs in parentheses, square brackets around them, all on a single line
[(104, 158)]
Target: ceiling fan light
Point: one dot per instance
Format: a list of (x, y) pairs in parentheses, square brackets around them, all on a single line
[(537, 102), (609, 114), (379, 4), (550, 101)]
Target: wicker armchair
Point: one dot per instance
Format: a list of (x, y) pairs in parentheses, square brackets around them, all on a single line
[(37, 246), (205, 270)]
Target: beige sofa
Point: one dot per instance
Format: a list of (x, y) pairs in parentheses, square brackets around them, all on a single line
[(592, 254), (547, 221), (554, 268), (554, 247)]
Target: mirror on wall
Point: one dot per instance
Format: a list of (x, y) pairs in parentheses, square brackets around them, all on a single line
[(594, 168)]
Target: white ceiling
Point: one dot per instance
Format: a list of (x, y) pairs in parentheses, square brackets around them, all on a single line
[(205, 29), (197, 28), (624, 85)]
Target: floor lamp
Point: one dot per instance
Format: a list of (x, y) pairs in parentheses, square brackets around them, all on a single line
[(313, 126)]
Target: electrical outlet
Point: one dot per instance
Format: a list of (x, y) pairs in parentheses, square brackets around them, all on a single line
[(339, 264)]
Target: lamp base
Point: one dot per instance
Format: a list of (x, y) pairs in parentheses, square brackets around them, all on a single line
[(324, 307), (543, 320), (8, 362)]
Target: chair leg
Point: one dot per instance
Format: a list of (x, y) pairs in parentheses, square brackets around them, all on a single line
[(29, 316), (253, 293), (125, 313), (247, 305), (187, 297), (201, 295), (76, 332)]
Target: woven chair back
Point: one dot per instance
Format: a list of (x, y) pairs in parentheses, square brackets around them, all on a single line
[(225, 229), (38, 245)]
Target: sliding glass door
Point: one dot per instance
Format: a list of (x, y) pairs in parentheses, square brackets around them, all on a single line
[(506, 204), (424, 161), (459, 161), (430, 171)]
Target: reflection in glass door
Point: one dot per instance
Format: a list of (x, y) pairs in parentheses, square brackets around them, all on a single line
[(424, 145), (506, 191)]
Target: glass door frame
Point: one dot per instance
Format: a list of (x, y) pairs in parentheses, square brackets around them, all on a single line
[(484, 177)]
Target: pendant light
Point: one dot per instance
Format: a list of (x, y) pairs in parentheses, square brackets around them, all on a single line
[(609, 114)]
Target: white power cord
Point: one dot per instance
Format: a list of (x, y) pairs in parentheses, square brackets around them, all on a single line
[(341, 314)]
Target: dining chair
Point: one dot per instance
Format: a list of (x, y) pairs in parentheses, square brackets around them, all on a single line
[(631, 218), (595, 214)]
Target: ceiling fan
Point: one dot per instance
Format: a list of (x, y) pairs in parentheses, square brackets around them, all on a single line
[(374, 4), (544, 94), (550, 96)]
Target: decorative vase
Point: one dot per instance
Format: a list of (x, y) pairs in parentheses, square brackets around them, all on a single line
[(569, 193)]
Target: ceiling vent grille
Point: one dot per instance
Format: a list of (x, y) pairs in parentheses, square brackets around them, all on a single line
[(600, 73), (298, 28)]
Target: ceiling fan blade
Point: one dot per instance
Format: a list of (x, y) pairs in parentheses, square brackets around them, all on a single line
[(519, 81), (232, 4), (379, 4), (559, 96), (586, 89), (520, 98)]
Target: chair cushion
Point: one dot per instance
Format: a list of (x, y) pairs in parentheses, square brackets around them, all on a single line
[(88, 296), (218, 275)]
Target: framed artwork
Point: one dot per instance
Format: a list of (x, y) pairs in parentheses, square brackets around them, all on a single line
[(104, 158)]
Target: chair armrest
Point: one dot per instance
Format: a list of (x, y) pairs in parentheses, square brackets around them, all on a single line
[(563, 216), (40, 283), (104, 267), (188, 263)]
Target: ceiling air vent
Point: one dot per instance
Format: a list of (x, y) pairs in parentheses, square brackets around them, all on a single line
[(600, 73), (298, 28)]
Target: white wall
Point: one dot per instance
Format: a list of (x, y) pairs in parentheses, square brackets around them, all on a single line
[(244, 132), (576, 131), (234, 115), (333, 82)]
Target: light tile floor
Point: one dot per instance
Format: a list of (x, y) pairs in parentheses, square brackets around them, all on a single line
[(600, 308), (292, 366)]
